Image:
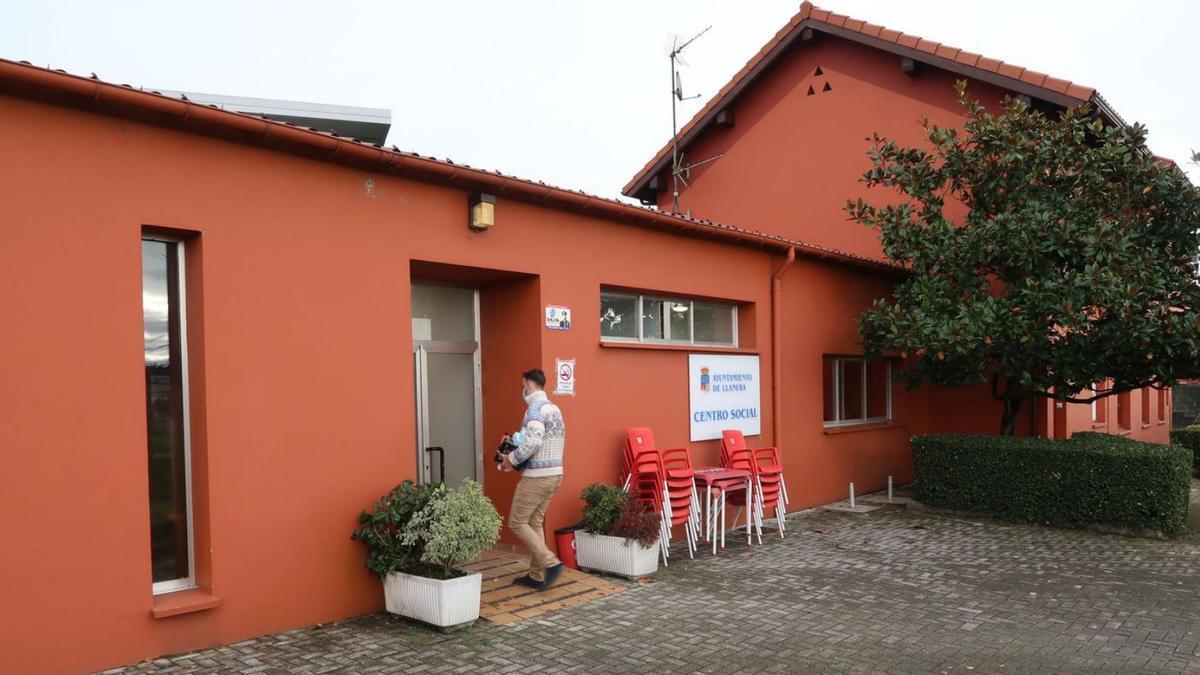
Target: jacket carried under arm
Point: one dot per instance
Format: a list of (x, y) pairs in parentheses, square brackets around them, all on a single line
[(543, 438)]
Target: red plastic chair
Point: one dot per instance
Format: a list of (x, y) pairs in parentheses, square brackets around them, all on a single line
[(766, 472), (670, 473), (644, 480), (734, 455), (681, 492)]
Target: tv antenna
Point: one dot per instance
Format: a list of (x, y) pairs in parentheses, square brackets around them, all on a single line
[(680, 171)]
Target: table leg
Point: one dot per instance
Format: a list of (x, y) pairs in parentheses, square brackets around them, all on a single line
[(749, 510), (707, 511)]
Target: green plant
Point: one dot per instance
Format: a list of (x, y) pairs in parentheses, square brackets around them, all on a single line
[(1189, 437), (636, 522), (453, 527), (603, 507), (1045, 254), (1092, 479), (381, 529)]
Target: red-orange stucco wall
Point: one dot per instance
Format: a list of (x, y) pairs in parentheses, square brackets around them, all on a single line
[(1151, 424), (302, 407), (791, 160)]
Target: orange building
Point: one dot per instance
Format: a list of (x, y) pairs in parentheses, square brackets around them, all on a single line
[(318, 314)]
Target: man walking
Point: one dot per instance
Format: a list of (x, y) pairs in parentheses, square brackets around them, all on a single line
[(540, 444)]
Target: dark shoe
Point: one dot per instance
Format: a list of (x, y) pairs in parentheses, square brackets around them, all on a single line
[(528, 582), (552, 574)]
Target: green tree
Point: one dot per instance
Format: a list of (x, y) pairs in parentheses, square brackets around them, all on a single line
[(1045, 254)]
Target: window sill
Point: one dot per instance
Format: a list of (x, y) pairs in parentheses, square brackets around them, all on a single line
[(1099, 425), (866, 426), (1162, 421), (1124, 432), (667, 347), (183, 602), (1147, 425)]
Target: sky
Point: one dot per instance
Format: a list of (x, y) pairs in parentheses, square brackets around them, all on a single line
[(577, 94)]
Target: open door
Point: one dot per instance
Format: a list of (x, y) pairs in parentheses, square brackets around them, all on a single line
[(447, 383)]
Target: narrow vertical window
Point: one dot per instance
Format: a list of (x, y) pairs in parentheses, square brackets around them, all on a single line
[(1123, 410), (1162, 404), (164, 330), (1100, 405), (1145, 406)]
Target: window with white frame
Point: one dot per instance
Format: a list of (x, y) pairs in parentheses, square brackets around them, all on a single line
[(856, 390), (164, 328), (633, 317)]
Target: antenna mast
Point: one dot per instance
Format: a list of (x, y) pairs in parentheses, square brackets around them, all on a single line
[(680, 172)]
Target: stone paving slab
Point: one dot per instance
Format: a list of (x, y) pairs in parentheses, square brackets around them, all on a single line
[(859, 507), (885, 592)]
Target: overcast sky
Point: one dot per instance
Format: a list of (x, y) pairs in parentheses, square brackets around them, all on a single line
[(577, 93)]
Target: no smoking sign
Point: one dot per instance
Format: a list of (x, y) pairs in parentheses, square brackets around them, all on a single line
[(564, 376)]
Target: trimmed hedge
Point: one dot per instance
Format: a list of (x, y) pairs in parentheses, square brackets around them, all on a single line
[(1091, 480), (1189, 437)]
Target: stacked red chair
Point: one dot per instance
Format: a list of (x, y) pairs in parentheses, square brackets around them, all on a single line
[(681, 492), (766, 472), (664, 481)]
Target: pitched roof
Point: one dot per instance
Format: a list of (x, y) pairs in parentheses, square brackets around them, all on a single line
[(1005, 75), (21, 78)]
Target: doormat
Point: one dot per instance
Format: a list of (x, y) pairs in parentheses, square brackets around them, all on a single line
[(502, 602)]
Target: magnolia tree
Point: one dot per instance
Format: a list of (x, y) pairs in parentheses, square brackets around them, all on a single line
[(1049, 256)]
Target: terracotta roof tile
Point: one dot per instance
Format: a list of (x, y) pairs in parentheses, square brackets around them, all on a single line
[(946, 52), (1033, 77), (990, 65), (1056, 84), (1081, 92), (1009, 70), (817, 18), (968, 58), (871, 30)]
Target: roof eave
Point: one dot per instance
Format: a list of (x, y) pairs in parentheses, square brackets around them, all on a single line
[(25, 79)]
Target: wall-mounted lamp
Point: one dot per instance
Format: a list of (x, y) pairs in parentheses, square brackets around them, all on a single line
[(483, 211)]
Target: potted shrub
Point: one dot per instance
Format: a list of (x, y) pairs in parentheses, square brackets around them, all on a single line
[(619, 535), (416, 536)]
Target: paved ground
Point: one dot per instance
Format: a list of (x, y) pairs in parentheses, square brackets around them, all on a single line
[(890, 591)]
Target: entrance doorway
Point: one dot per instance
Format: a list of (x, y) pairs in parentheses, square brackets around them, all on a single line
[(446, 364)]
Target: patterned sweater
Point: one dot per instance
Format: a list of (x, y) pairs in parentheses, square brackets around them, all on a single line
[(543, 438)]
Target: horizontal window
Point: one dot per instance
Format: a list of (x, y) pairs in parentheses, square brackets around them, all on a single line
[(629, 317), (856, 390)]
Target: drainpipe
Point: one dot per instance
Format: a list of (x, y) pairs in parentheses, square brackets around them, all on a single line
[(776, 331)]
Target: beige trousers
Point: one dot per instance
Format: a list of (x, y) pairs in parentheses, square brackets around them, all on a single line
[(529, 504)]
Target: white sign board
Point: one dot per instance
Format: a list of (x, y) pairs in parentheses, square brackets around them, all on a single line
[(558, 318), (724, 394), (564, 377)]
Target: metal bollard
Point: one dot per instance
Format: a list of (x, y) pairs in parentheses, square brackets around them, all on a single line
[(889, 489), (852, 495)]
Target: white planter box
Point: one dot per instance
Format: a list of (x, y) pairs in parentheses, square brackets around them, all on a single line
[(442, 603), (613, 554)]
